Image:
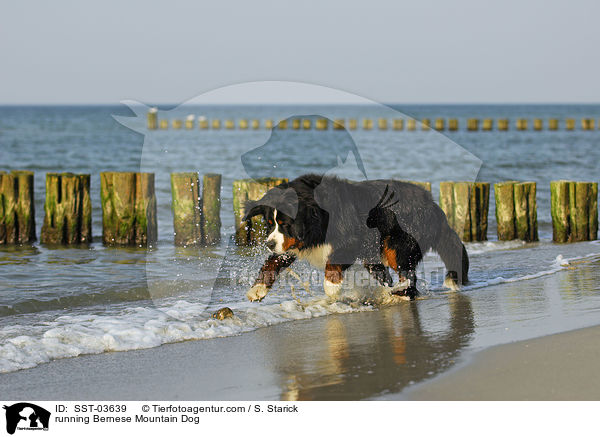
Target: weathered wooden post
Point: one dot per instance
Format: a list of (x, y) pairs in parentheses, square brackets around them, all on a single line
[(424, 185), (553, 124), (516, 210), (367, 124), (243, 124), (439, 124), (17, 209), (425, 124), (503, 124), (453, 124), (128, 209), (189, 121), (67, 209), (352, 124), (339, 124), (473, 124), (570, 124), (255, 124), (176, 123), (538, 124), (521, 124), (411, 124), (306, 123), (466, 206), (574, 207), (488, 124), (587, 123), (229, 124), (321, 124), (163, 124), (211, 209), (187, 210), (295, 124), (152, 118), (382, 124), (398, 124), (202, 122), (253, 230), (283, 124), (216, 124), (269, 124)]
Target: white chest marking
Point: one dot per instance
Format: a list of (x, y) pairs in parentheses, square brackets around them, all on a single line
[(276, 236), (317, 256)]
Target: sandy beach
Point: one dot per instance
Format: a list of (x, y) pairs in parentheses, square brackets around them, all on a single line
[(560, 367)]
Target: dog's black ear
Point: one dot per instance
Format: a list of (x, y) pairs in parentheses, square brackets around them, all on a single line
[(253, 209)]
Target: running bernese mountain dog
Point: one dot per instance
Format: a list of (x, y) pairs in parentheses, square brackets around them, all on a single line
[(334, 222)]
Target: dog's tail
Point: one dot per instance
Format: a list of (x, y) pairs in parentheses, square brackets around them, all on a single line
[(455, 257)]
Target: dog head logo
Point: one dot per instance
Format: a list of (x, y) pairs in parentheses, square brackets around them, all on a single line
[(26, 416)]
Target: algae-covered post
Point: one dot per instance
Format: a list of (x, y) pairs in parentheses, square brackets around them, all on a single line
[(574, 207), (466, 206), (516, 210), (503, 124), (128, 209), (186, 206), (17, 209), (253, 230), (67, 209), (211, 209), (152, 118), (473, 124)]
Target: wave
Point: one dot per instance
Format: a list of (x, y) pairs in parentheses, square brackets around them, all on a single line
[(131, 328)]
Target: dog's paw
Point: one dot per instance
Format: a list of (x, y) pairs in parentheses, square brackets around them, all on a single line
[(332, 290), (400, 286), (257, 293), (451, 283)]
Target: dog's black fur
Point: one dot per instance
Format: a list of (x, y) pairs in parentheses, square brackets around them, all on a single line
[(381, 222)]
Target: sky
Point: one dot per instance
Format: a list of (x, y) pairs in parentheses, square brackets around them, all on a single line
[(461, 51)]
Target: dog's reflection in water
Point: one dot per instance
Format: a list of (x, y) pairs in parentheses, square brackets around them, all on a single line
[(390, 351)]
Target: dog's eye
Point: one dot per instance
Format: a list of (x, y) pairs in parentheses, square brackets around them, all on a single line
[(280, 222), (270, 221)]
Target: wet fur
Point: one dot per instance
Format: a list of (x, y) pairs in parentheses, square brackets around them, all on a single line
[(381, 222)]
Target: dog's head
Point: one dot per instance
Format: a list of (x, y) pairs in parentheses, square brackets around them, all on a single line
[(292, 223)]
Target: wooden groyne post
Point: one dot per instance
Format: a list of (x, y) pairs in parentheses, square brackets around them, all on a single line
[(187, 209), (67, 209), (211, 209), (466, 206), (253, 230), (17, 209), (128, 209), (516, 210), (574, 209), (152, 118)]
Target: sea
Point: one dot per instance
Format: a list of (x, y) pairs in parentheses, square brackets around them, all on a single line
[(61, 302)]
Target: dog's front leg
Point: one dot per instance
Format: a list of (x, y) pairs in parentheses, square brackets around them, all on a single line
[(268, 274), (334, 275)]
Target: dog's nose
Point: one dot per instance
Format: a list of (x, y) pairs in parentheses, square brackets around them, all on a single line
[(271, 245)]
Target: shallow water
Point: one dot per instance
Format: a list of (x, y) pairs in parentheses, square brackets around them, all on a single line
[(65, 302)]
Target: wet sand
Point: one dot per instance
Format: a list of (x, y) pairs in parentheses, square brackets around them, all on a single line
[(338, 357), (558, 367), (396, 352)]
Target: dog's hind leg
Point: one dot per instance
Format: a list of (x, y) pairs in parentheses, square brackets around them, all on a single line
[(380, 273), (403, 258)]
